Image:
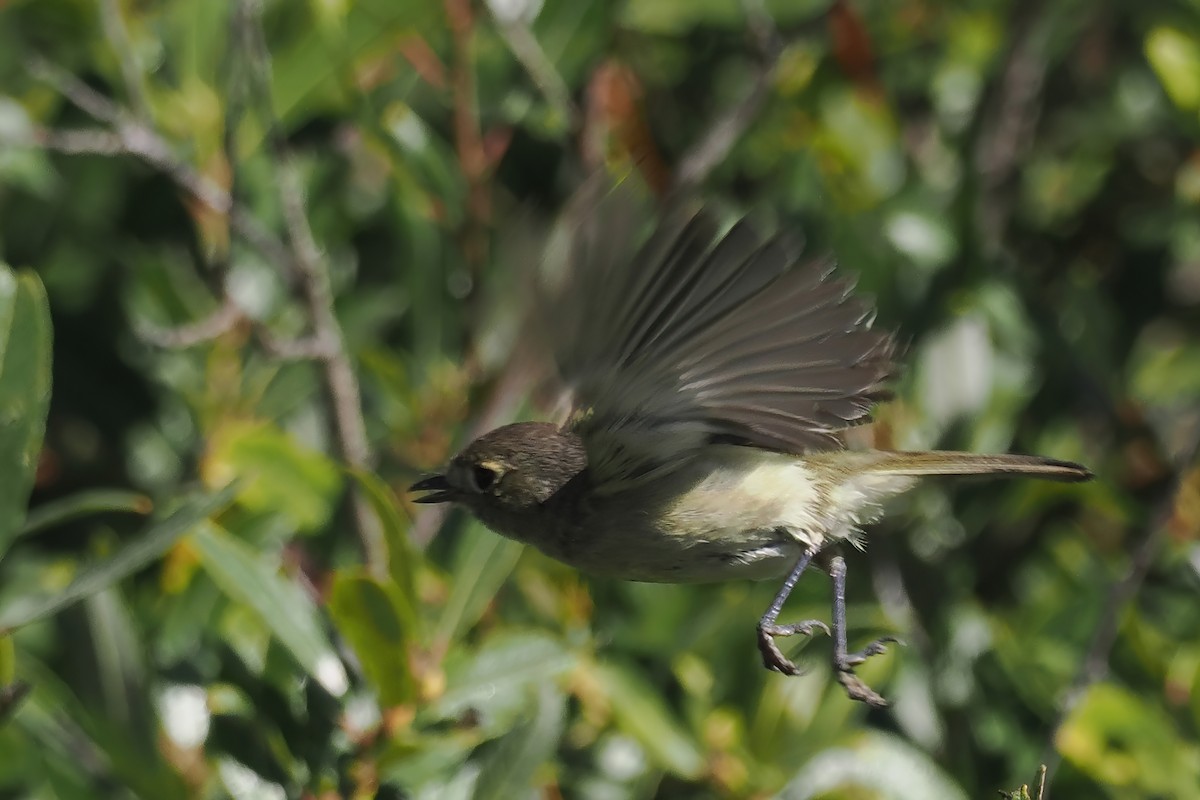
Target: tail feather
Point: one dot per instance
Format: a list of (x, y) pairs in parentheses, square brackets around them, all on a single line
[(946, 462)]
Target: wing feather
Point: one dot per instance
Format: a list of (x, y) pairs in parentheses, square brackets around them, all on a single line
[(698, 336)]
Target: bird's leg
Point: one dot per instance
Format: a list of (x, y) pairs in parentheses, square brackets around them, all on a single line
[(773, 657), (843, 661)]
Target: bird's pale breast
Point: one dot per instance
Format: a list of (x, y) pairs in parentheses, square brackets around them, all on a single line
[(733, 512)]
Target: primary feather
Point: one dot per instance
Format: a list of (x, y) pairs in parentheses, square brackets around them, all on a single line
[(697, 336)]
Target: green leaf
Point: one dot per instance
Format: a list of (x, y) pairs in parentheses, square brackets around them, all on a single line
[(885, 766), (307, 72), (83, 504), (137, 553), (403, 557), (482, 563), (8, 661), (73, 731), (374, 618), (510, 768), (25, 352), (1175, 57), (246, 577), (639, 711), (1127, 742), (494, 681), (281, 475)]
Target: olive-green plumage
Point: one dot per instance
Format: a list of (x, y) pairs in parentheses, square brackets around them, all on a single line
[(711, 376)]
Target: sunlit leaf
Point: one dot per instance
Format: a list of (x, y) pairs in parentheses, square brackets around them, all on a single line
[(1175, 57), (24, 392), (885, 766), (280, 475), (1126, 741)]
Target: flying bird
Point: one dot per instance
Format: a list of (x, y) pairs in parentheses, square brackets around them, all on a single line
[(712, 374)]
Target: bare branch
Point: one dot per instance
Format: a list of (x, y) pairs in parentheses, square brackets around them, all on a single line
[(468, 140), (1009, 123), (78, 93), (82, 142), (327, 340), (303, 260), (306, 349), (215, 325), (721, 137), (528, 51), (118, 40)]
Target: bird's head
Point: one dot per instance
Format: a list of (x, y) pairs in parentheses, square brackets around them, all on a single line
[(510, 470)]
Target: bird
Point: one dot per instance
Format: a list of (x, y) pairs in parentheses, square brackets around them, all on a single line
[(712, 373)]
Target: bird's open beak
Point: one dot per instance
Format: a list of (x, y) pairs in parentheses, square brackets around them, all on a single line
[(438, 487)]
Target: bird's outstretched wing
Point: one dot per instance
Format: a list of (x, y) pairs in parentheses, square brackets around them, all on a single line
[(698, 336)]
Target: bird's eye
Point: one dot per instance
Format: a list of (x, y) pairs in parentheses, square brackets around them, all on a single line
[(482, 478)]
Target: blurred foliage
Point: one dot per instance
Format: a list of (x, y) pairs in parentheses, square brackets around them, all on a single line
[(186, 611)]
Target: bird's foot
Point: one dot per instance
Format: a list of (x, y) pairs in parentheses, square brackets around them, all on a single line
[(844, 664), (773, 657)]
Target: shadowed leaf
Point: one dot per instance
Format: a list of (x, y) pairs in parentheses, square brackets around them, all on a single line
[(24, 392)]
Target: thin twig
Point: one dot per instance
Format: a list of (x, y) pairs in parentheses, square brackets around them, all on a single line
[(131, 74), (135, 140), (303, 349), (468, 140), (708, 153), (721, 137), (83, 141), (529, 53), (1010, 122), (327, 339), (227, 316), (303, 260), (78, 93)]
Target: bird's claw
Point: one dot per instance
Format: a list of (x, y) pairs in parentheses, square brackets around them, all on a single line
[(773, 657), (875, 648), (854, 686), (857, 690)]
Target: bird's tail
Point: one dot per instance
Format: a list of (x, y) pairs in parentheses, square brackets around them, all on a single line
[(947, 462)]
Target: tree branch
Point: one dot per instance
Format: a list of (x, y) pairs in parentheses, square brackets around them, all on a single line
[(131, 74), (708, 153), (327, 341)]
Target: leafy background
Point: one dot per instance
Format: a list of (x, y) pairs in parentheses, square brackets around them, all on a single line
[(285, 245)]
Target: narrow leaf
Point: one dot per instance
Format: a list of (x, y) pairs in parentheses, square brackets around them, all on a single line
[(244, 575), (372, 616), (84, 504), (510, 769), (482, 563), (640, 712), (24, 392), (494, 682), (145, 548), (876, 764), (403, 557)]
